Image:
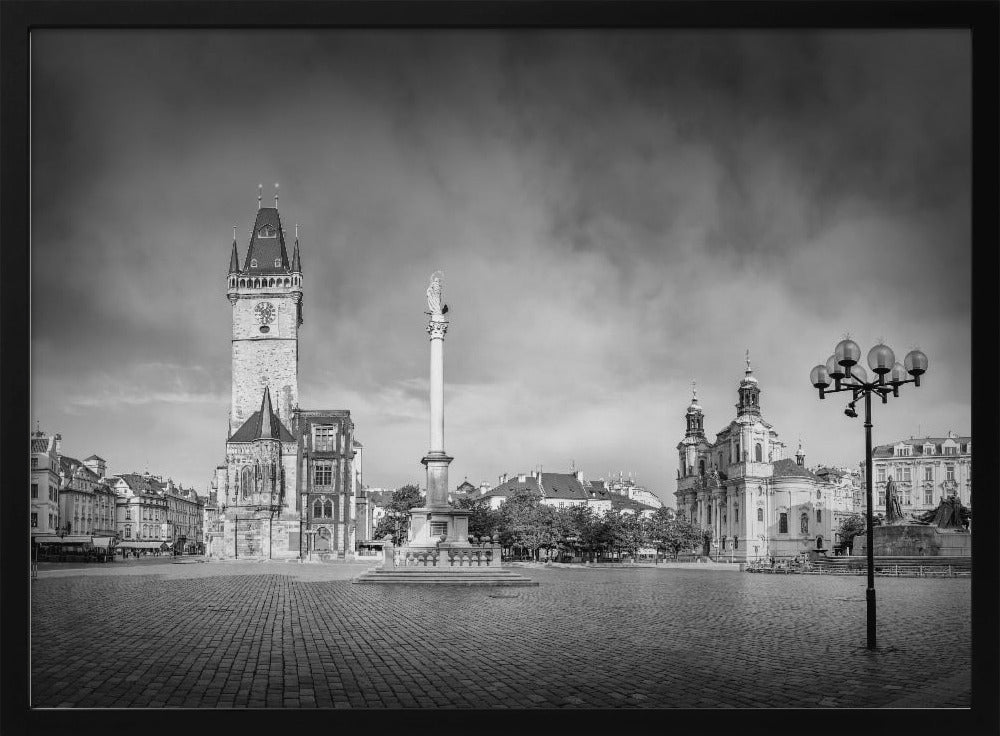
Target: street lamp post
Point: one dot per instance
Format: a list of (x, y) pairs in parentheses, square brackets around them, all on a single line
[(847, 375)]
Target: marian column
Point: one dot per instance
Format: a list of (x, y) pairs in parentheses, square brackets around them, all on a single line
[(437, 524)]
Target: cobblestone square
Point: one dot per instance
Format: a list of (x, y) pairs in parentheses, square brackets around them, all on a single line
[(160, 633)]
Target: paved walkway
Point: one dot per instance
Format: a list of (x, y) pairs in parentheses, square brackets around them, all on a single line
[(164, 633)]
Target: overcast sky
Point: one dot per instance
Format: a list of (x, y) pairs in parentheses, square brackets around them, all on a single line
[(616, 214)]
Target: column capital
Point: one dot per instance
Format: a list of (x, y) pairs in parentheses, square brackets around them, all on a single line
[(436, 328)]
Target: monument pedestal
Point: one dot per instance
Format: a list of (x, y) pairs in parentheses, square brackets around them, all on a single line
[(915, 540)]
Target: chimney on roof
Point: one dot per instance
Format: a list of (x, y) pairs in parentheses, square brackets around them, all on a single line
[(58, 439), (521, 478), (503, 478), (579, 475)]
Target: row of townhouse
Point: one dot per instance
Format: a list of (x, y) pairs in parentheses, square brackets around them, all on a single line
[(563, 490), (70, 497)]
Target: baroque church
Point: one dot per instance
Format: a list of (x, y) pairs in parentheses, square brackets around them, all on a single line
[(757, 503), (287, 488)]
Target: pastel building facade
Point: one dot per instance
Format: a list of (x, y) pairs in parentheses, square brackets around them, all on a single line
[(43, 492)]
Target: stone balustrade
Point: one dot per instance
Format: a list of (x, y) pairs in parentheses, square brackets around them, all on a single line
[(485, 556)]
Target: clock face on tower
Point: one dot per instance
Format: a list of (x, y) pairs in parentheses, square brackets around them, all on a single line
[(264, 312)]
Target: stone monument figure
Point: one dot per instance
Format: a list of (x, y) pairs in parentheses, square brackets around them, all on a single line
[(893, 512), (434, 295)]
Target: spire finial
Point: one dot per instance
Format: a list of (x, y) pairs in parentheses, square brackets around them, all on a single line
[(275, 195), (748, 360), (234, 233), (694, 391), (296, 231), (260, 193)]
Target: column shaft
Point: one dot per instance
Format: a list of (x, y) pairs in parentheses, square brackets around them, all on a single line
[(437, 394)]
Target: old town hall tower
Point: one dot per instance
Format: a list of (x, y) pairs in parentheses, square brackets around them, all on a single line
[(266, 294), (287, 488)]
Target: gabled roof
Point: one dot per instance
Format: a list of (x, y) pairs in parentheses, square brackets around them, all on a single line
[(506, 488), (263, 424), (620, 502), (94, 457), (788, 468), (141, 483), (266, 249), (466, 487), (563, 485)]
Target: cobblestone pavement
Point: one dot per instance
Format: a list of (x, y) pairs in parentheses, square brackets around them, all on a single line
[(159, 633)]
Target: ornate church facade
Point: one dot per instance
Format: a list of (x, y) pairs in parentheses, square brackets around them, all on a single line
[(756, 502), (281, 461)]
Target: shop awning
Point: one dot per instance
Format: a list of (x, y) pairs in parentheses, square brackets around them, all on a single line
[(68, 539), (143, 545)]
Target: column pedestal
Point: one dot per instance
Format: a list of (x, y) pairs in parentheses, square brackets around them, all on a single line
[(436, 519)]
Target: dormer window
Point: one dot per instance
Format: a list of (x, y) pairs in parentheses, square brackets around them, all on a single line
[(267, 232), (277, 263), (253, 263)]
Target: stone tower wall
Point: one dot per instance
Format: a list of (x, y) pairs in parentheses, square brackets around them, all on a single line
[(260, 358)]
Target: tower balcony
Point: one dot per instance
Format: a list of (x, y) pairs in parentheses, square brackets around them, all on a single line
[(264, 283)]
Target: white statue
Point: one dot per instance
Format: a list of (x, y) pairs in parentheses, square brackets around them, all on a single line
[(434, 296)]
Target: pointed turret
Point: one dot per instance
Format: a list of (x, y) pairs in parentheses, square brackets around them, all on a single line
[(234, 261), (265, 414), (296, 263)]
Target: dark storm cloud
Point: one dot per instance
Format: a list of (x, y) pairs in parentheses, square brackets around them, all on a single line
[(616, 214)]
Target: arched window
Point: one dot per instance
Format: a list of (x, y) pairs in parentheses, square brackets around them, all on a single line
[(277, 263), (701, 467), (760, 514), (736, 513), (328, 509), (246, 482), (758, 453), (783, 523), (819, 516), (318, 509), (720, 460), (819, 542), (708, 510), (804, 523), (736, 542), (253, 263)]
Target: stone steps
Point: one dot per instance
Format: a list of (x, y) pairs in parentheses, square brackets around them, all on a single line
[(445, 576)]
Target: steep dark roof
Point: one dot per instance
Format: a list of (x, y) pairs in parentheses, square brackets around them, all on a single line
[(465, 487), (40, 445), (788, 468), (263, 424), (563, 485), (620, 502), (506, 488), (141, 483), (296, 262), (595, 485), (266, 250)]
